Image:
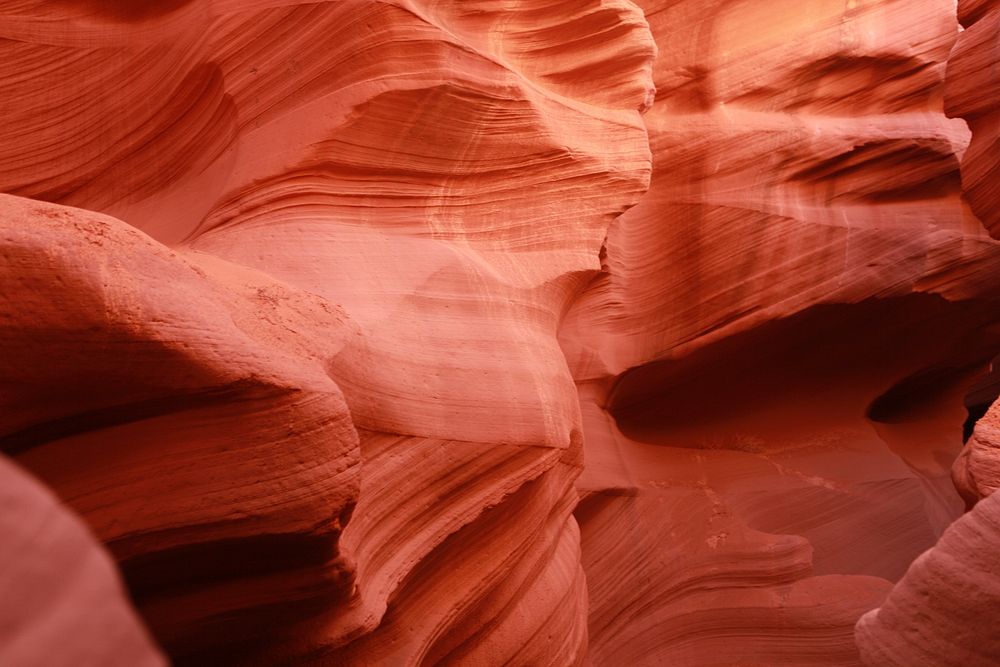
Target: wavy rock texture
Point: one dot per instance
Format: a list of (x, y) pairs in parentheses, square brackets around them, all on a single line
[(479, 333), (971, 92), (772, 365), (306, 390), (976, 471), (59, 587), (190, 420), (943, 612)]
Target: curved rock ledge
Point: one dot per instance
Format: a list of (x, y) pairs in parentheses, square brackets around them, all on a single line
[(482, 332)]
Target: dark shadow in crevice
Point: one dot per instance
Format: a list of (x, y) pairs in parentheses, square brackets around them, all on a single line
[(917, 394), (860, 347), (980, 397)]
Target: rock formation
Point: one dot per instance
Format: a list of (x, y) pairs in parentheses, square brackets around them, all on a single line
[(63, 602), (478, 332), (943, 612), (286, 335), (971, 92), (772, 364)]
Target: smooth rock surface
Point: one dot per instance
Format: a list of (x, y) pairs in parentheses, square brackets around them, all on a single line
[(972, 90), (474, 332), (943, 612), (63, 603), (773, 363), (328, 373)]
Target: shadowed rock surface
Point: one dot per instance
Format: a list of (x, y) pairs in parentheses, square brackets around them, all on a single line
[(537, 333)]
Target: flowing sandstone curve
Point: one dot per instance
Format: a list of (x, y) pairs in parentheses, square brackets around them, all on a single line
[(304, 393), (189, 420), (971, 92), (59, 587), (773, 363), (482, 332), (976, 471), (943, 611)]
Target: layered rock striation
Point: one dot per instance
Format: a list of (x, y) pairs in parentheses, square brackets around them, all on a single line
[(63, 600), (284, 285), (943, 611), (971, 91), (480, 333), (773, 362)]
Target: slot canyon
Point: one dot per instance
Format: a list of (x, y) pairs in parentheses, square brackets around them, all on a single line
[(540, 333)]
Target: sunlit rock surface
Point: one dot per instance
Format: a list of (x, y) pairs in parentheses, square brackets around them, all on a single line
[(483, 333), (292, 353)]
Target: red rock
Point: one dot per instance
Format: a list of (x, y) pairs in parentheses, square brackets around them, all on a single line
[(976, 471), (542, 333), (943, 612), (63, 602), (779, 347), (189, 420), (356, 219), (972, 87)]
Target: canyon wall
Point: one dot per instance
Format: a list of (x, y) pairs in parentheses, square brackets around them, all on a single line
[(283, 282), (480, 333), (943, 611), (62, 599), (772, 364)]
